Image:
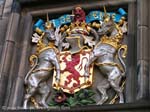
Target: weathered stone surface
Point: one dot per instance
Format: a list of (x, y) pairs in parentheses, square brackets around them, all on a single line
[(23, 66), (1, 48), (131, 55), (6, 57), (143, 76), (26, 46), (143, 50), (8, 52), (12, 75), (142, 11), (149, 47), (19, 93), (149, 80), (3, 29), (9, 43), (129, 107), (59, 8), (3, 83), (142, 43), (12, 27), (1, 7), (7, 7)]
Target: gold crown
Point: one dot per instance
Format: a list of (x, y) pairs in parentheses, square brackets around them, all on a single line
[(80, 25), (114, 42), (42, 46)]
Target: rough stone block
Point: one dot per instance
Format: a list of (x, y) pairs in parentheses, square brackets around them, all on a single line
[(143, 82), (18, 93), (12, 75), (3, 86), (149, 80), (130, 90), (6, 57), (12, 27), (132, 18), (142, 43), (142, 9), (7, 7), (1, 7), (3, 29), (25, 45)]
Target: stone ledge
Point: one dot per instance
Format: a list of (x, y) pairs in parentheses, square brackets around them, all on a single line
[(134, 107)]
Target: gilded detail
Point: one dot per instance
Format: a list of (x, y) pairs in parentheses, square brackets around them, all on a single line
[(67, 51)]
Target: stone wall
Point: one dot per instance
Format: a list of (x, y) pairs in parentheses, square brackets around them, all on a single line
[(16, 20)]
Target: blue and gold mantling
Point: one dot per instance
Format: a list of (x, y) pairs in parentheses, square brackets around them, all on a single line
[(92, 16)]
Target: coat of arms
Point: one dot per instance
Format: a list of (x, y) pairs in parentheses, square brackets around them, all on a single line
[(68, 49)]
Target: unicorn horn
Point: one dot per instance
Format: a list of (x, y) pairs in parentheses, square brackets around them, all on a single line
[(105, 12), (47, 17)]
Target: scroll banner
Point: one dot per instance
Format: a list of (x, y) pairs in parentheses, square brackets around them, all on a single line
[(92, 16)]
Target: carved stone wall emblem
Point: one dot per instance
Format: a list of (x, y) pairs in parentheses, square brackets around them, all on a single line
[(70, 48)]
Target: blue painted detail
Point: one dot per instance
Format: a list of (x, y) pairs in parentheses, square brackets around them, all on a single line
[(117, 18), (42, 27), (98, 15), (38, 24), (55, 22), (65, 19), (92, 16), (122, 11)]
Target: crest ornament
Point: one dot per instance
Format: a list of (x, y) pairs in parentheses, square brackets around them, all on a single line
[(69, 48)]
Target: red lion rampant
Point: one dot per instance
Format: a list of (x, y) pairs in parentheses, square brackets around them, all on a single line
[(70, 67)]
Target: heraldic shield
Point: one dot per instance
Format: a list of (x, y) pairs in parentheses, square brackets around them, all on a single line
[(72, 71), (71, 51)]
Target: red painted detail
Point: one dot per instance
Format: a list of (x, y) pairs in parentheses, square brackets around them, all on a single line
[(79, 14), (70, 67)]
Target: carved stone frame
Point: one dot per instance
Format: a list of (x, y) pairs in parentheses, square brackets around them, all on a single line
[(137, 59)]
